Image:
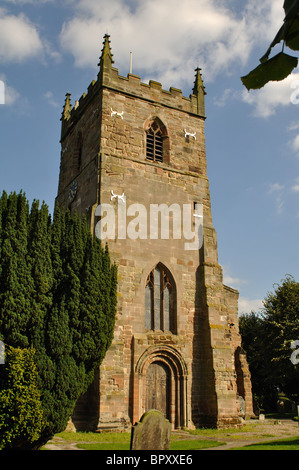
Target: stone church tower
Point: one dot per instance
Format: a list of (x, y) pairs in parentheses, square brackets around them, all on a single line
[(139, 151)]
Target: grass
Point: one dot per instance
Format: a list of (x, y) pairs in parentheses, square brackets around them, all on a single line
[(291, 443), (192, 444), (188, 440), (96, 437), (223, 432), (103, 446), (98, 441), (121, 441), (176, 445)]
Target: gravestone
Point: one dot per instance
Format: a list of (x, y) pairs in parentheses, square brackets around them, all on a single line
[(152, 432)]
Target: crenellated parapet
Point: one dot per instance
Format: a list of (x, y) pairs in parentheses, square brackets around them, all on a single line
[(131, 85)]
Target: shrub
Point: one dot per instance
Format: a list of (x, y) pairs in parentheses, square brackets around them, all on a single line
[(21, 416)]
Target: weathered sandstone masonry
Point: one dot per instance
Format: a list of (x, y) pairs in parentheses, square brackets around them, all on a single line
[(176, 345)]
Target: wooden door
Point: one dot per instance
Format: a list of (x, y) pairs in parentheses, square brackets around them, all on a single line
[(157, 388)]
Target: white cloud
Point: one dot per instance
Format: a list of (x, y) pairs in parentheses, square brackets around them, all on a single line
[(247, 305), (10, 94), (49, 96), (295, 187), (294, 142), (231, 281), (19, 38), (273, 95), (277, 189), (279, 205), (273, 187), (170, 38), (54, 55), (227, 95), (294, 126)]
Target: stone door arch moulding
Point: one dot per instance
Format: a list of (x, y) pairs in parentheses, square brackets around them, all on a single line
[(171, 359)]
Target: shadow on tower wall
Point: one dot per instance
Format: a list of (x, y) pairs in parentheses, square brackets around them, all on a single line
[(203, 393), (85, 416)]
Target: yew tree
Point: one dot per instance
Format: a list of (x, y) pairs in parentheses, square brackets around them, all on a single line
[(58, 298)]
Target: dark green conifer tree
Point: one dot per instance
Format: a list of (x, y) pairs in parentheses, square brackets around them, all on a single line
[(57, 295), (15, 282), (39, 258)]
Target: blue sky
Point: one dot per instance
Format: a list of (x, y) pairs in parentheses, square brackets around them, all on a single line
[(50, 47)]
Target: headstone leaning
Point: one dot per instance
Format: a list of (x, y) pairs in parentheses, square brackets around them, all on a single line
[(152, 432)]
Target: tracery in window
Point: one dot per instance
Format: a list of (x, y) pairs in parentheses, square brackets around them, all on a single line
[(160, 300), (156, 141)]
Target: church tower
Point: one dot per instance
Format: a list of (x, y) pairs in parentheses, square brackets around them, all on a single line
[(133, 160)]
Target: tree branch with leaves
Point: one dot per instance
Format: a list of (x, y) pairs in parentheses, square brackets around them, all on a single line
[(281, 65)]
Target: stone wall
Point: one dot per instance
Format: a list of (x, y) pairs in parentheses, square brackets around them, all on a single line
[(103, 149)]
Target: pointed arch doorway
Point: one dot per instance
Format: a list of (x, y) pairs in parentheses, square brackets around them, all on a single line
[(160, 382)]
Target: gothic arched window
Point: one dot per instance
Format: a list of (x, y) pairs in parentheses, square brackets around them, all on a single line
[(156, 141), (160, 300)]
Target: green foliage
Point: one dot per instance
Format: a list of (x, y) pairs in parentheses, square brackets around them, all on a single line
[(281, 65), (267, 339), (21, 415), (289, 443), (57, 295), (253, 341), (275, 69)]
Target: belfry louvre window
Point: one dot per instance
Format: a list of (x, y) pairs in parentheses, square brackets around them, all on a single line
[(156, 141), (160, 300)]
